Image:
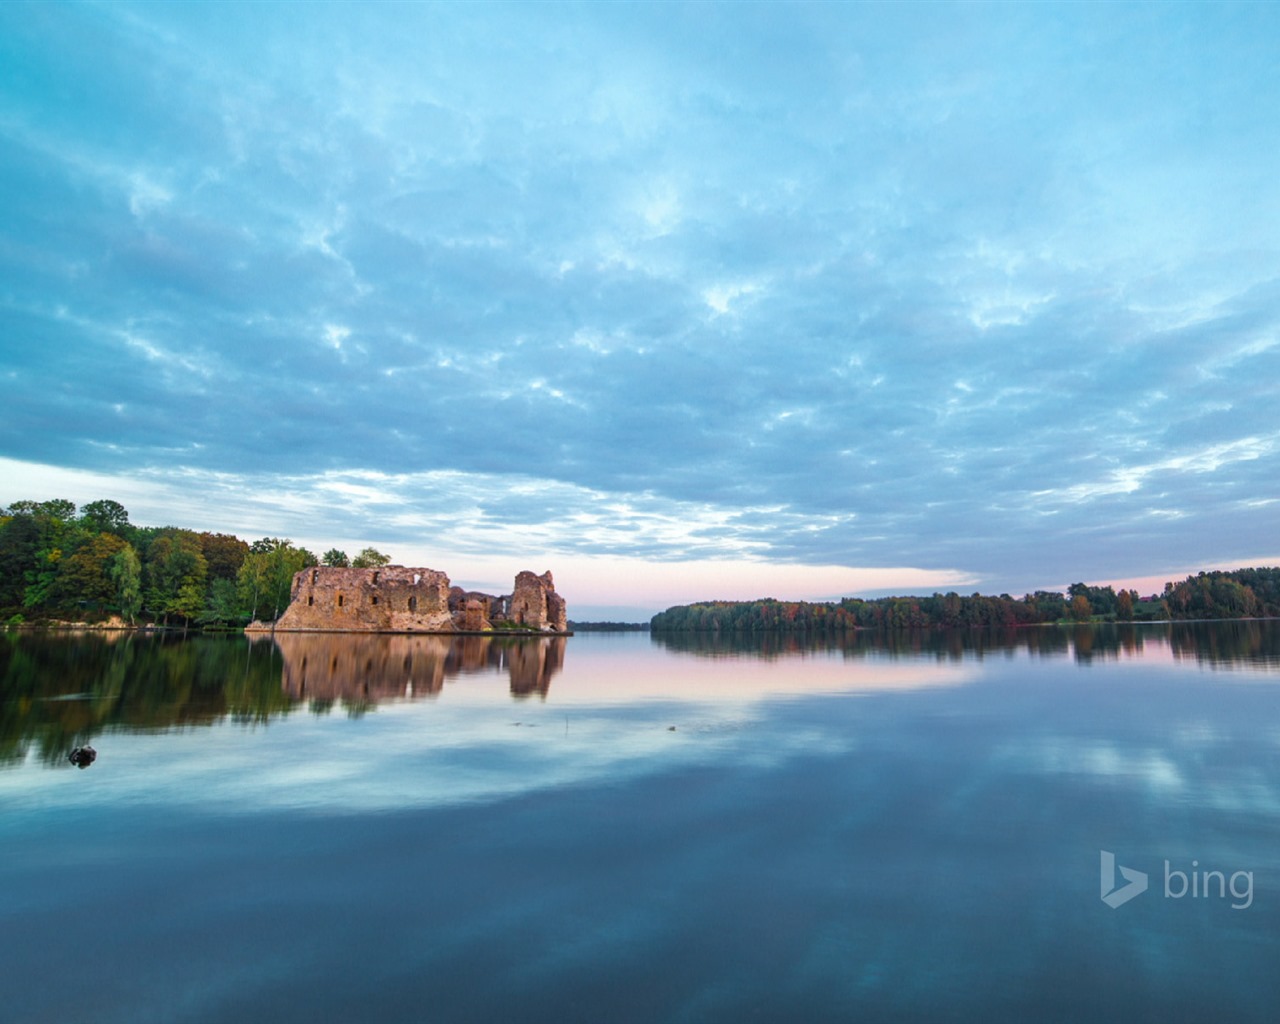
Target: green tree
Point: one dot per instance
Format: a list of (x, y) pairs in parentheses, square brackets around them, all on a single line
[(126, 573), (337, 559), (56, 508), (175, 574), (85, 576), (190, 601), (370, 558), (19, 543), (42, 578), (266, 577), (1048, 605), (105, 516), (224, 605), (43, 530), (223, 554)]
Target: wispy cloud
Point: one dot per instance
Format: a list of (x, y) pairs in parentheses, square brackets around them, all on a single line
[(951, 288)]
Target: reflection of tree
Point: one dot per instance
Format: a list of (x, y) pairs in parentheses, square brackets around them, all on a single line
[(325, 668), (1255, 642), (59, 690), (1217, 643), (942, 644), (1112, 640)]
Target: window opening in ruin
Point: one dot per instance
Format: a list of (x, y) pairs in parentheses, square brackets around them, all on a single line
[(310, 600), (413, 604), (374, 599), (339, 600), (315, 575), (375, 579)]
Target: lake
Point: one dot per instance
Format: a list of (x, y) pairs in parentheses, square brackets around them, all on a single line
[(618, 827)]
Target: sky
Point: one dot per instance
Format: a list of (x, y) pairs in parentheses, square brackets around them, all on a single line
[(680, 301)]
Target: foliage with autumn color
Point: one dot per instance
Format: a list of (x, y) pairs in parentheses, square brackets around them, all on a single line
[(1242, 593), (61, 563)]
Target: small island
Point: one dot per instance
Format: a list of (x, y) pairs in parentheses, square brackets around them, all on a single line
[(400, 599)]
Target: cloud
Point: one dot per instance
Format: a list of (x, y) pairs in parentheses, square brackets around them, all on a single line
[(836, 286)]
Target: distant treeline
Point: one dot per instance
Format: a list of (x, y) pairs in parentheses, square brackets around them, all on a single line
[(61, 562), (608, 627), (88, 564), (1241, 593)]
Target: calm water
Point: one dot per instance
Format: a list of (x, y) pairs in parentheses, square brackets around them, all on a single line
[(614, 828)]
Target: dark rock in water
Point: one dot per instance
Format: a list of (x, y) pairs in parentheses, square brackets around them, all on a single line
[(82, 757)]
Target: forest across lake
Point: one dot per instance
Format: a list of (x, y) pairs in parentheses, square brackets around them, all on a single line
[(1237, 594), (60, 563)]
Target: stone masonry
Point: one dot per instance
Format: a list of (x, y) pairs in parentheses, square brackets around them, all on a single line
[(397, 599), (536, 603)]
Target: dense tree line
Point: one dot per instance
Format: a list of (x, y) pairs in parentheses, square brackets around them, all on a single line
[(1242, 593), (87, 564)]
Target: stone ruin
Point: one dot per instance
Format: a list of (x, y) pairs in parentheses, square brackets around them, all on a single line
[(397, 599)]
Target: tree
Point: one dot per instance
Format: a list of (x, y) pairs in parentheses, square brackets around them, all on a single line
[(337, 559), (1049, 605), (175, 575), (56, 508), (1080, 609), (19, 542), (126, 573), (370, 558), (40, 533), (223, 606), (266, 577), (224, 554), (42, 578), (85, 577), (105, 516), (1124, 605), (190, 602)]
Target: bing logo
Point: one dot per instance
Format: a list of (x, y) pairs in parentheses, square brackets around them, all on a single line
[(1112, 896), (1177, 884)]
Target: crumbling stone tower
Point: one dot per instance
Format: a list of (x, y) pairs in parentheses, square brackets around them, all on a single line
[(536, 603)]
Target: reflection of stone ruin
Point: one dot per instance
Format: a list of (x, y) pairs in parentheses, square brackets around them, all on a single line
[(395, 599), (372, 668)]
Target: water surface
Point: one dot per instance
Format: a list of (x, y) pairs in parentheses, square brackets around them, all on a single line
[(619, 827)]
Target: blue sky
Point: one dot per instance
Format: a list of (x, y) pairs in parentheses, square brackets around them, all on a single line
[(679, 301)]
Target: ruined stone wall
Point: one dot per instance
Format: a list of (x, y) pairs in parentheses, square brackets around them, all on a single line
[(396, 599), (536, 603), (392, 599), (473, 611)]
